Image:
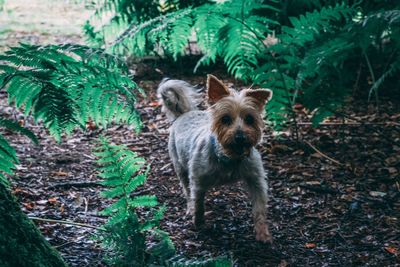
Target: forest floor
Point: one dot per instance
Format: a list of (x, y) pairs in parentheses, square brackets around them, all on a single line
[(335, 193)]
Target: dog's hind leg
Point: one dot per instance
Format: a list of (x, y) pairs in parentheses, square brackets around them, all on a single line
[(196, 203)]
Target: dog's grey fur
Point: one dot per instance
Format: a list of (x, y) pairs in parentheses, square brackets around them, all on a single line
[(199, 159)]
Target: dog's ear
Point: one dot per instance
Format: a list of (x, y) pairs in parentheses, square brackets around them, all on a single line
[(216, 89), (261, 96)]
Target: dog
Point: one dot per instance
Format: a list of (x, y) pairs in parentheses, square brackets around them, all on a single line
[(217, 146)]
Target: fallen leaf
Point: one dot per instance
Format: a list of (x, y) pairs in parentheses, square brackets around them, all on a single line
[(29, 206), (310, 245), (53, 200), (154, 104), (90, 125), (391, 249), (60, 173)]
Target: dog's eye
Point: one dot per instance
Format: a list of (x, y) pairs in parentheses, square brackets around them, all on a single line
[(249, 119), (226, 119)]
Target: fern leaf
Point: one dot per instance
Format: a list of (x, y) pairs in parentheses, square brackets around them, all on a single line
[(14, 126), (68, 85), (143, 201), (114, 192), (8, 159), (119, 205)]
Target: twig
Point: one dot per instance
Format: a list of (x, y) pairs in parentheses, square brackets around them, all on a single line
[(67, 222), (325, 189), (322, 154), (75, 184)]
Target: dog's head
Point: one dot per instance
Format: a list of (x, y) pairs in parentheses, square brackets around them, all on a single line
[(236, 117)]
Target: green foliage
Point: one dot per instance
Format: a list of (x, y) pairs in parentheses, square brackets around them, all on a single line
[(112, 17), (67, 86), (232, 30), (295, 66), (317, 57), (320, 46), (8, 157), (133, 236), (131, 240)]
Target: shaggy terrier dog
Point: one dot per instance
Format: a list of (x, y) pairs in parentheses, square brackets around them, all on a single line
[(216, 146)]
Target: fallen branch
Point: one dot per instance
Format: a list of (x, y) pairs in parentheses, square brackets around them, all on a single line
[(324, 189), (75, 184), (67, 222), (323, 155)]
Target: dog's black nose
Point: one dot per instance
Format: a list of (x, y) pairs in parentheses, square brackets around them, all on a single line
[(240, 137)]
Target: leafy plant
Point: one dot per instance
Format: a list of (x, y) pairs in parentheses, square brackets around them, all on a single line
[(316, 59), (8, 157), (133, 237), (67, 86), (232, 30), (112, 17), (318, 49), (305, 52), (127, 233)]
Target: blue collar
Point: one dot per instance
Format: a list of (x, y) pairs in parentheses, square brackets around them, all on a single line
[(221, 157)]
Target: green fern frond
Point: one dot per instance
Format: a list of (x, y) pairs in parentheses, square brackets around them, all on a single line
[(15, 127), (116, 207), (306, 27), (231, 30), (306, 53), (163, 249), (206, 27), (182, 32), (394, 68), (279, 110), (69, 85), (143, 201), (8, 156)]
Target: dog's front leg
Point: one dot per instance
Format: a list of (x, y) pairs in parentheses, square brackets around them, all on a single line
[(259, 197), (196, 203)]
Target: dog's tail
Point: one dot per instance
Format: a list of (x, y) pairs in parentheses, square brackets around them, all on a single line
[(177, 97)]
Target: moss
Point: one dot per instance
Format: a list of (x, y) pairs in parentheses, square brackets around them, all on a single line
[(21, 243)]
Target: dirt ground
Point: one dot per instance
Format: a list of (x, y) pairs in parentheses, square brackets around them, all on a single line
[(338, 206)]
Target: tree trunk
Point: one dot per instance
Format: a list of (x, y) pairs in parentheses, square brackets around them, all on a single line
[(21, 243)]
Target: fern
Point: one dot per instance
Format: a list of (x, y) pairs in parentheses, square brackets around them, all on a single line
[(231, 30), (127, 235), (8, 157), (384, 27), (67, 86), (113, 17), (306, 55)]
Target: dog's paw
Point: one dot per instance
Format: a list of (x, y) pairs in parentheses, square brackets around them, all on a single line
[(262, 232)]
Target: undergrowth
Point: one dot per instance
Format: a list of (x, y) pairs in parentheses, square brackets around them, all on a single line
[(64, 87), (314, 53)]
